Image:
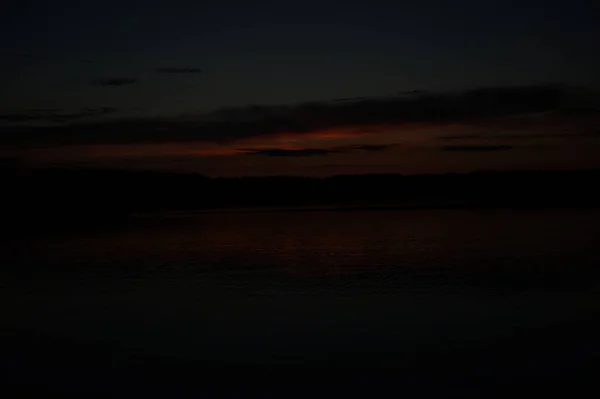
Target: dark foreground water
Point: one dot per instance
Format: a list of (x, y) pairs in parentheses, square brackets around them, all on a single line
[(454, 301)]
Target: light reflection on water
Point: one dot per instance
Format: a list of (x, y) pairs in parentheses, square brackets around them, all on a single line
[(248, 287)]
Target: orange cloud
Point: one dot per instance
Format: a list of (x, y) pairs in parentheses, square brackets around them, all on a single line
[(415, 134)]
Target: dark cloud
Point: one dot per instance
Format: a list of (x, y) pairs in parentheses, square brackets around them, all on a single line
[(595, 134), (591, 134), (228, 125), (352, 99), (114, 82), (178, 70), (412, 92), (38, 57), (305, 152), (20, 55), (503, 136), (460, 137), (54, 115), (524, 136), (280, 152), (477, 148), (365, 147), (372, 147), (462, 107)]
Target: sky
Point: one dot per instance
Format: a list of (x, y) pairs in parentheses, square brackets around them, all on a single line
[(227, 88)]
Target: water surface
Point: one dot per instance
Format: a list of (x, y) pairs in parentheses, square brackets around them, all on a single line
[(309, 288)]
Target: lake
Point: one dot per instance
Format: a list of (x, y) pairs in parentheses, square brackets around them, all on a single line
[(315, 289)]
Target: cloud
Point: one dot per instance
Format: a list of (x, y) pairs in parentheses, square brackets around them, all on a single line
[(412, 92), (280, 152), (371, 147), (54, 115), (114, 82), (595, 134), (503, 136), (178, 70), (38, 57), (477, 148), (20, 55), (475, 108), (352, 99), (305, 152), (523, 136), (460, 137)]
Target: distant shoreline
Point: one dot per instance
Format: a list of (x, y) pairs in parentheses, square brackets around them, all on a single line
[(359, 208), (57, 198)]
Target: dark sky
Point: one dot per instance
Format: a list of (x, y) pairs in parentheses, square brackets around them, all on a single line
[(161, 65)]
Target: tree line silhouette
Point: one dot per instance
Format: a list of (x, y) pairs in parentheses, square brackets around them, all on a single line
[(85, 196)]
